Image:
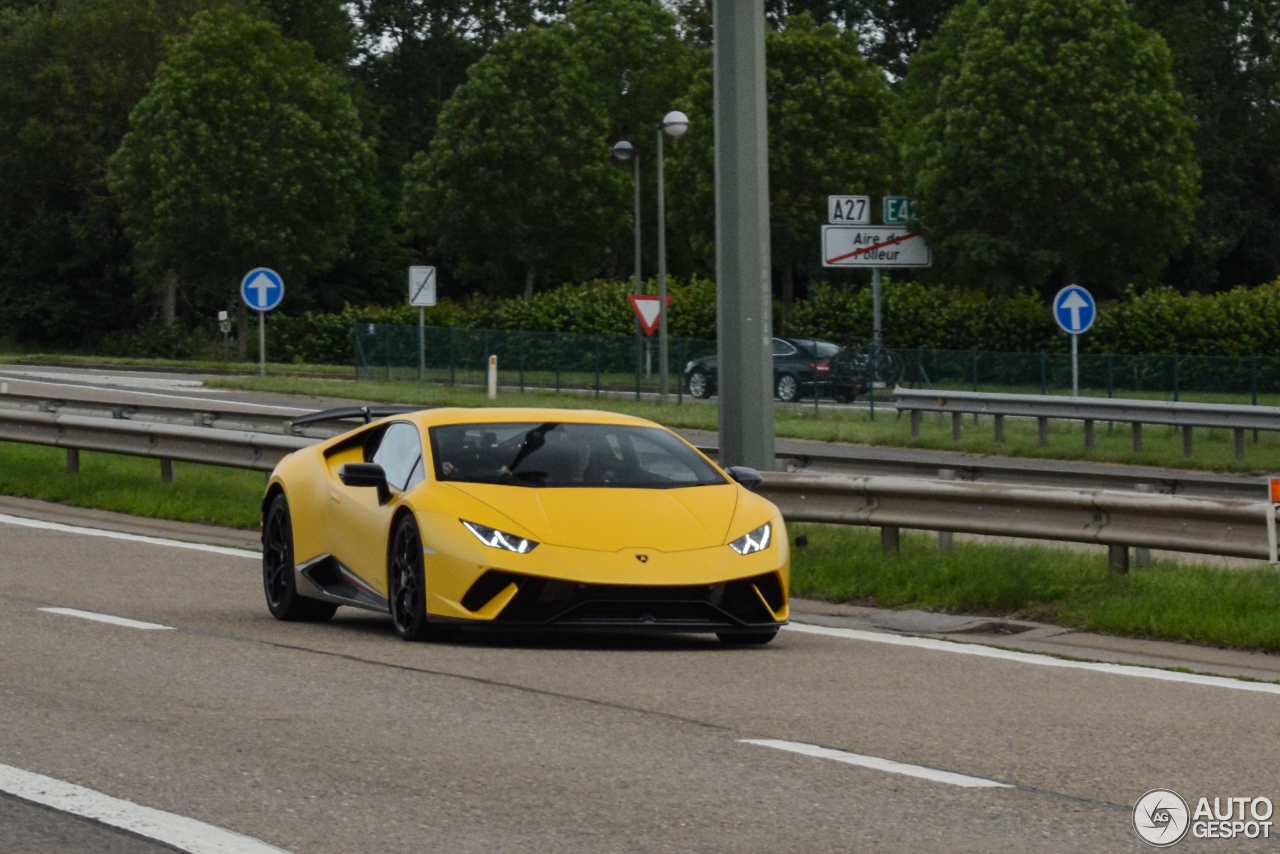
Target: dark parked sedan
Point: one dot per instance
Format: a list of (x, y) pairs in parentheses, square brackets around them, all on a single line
[(797, 364)]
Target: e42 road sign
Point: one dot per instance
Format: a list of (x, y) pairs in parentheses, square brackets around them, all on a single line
[(898, 210)]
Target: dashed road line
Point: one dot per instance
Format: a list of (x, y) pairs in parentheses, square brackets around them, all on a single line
[(106, 618), (877, 764), (178, 831), (961, 648)]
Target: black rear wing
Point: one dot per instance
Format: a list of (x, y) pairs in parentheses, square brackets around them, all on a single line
[(368, 413)]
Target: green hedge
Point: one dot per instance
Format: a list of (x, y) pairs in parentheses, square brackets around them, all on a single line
[(1161, 321)]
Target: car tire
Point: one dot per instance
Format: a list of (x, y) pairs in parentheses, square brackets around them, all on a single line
[(278, 583), (406, 582), (747, 638), (699, 385), (786, 389)]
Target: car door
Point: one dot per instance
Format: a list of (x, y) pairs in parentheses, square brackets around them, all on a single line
[(360, 524)]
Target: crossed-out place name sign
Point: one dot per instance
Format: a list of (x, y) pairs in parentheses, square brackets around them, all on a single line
[(873, 246), (262, 289)]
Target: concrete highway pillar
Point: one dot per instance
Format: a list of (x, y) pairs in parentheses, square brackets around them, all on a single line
[(744, 297)]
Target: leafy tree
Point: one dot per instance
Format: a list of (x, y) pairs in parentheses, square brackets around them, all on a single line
[(1227, 63), (891, 30), (246, 151), (826, 109), (519, 180), (1048, 143), (69, 75)]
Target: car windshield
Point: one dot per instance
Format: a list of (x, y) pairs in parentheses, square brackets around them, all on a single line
[(566, 454)]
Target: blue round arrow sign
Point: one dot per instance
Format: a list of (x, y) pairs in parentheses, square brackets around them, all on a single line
[(262, 289), (1074, 309)]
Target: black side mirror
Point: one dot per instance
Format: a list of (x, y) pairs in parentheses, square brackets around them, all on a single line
[(366, 474), (748, 477)]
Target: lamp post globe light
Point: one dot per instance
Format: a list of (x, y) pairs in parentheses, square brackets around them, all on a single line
[(674, 124), (625, 151)]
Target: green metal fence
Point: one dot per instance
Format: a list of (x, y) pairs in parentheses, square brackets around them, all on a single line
[(563, 361), (1228, 379), (541, 361)]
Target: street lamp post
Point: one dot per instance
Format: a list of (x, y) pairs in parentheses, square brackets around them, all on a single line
[(674, 123), (625, 151)]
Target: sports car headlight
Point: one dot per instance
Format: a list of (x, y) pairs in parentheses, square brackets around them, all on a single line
[(756, 541), (502, 540)]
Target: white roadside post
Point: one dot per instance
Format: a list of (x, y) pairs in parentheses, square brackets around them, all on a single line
[(422, 293), (1074, 310), (262, 289), (846, 244), (493, 377)]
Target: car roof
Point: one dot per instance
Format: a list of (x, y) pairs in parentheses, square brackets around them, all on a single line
[(491, 415)]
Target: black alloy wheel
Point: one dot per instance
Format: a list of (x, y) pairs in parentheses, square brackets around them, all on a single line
[(406, 582), (787, 389), (278, 583), (747, 638), (699, 386)]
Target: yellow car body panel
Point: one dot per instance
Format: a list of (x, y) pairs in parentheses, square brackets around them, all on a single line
[(588, 537)]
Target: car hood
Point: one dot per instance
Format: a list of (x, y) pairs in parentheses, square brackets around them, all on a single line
[(610, 519)]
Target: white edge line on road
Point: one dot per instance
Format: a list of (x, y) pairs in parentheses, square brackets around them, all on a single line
[(166, 397), (877, 764), (105, 618), (117, 535), (981, 651), (187, 834)]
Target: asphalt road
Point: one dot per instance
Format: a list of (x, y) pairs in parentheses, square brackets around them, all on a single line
[(341, 738)]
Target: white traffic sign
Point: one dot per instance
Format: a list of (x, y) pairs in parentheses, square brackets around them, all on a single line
[(646, 309), (848, 210), (1074, 309), (262, 289), (873, 246), (422, 286)]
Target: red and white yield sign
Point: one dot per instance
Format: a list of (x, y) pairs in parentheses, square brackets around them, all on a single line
[(873, 246), (646, 308)]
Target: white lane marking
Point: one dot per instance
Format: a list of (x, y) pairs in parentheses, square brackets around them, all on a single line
[(877, 764), (105, 618), (24, 522), (163, 397), (176, 830), (1041, 660)]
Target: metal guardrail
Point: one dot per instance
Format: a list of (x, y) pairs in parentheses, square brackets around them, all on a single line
[(1119, 520), (1090, 410)]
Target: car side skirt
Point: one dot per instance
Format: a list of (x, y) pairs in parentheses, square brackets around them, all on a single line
[(325, 578)]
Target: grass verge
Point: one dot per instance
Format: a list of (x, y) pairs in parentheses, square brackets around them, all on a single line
[(1168, 601), (210, 494), (1214, 449)]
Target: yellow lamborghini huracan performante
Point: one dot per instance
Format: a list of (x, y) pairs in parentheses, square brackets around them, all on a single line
[(522, 519)]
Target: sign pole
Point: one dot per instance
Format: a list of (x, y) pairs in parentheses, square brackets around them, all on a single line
[(744, 301), (422, 341), (1075, 367), (262, 343), (663, 378)]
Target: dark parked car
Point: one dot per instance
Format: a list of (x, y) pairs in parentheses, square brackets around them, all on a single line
[(797, 364)]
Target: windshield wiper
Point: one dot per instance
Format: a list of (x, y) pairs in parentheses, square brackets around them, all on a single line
[(533, 440)]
